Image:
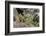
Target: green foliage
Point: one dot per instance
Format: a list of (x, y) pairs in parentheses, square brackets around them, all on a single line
[(29, 20)]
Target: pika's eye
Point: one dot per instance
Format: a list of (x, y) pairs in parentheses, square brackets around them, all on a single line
[(14, 19)]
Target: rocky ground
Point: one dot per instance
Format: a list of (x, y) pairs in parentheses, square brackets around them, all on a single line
[(17, 25)]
